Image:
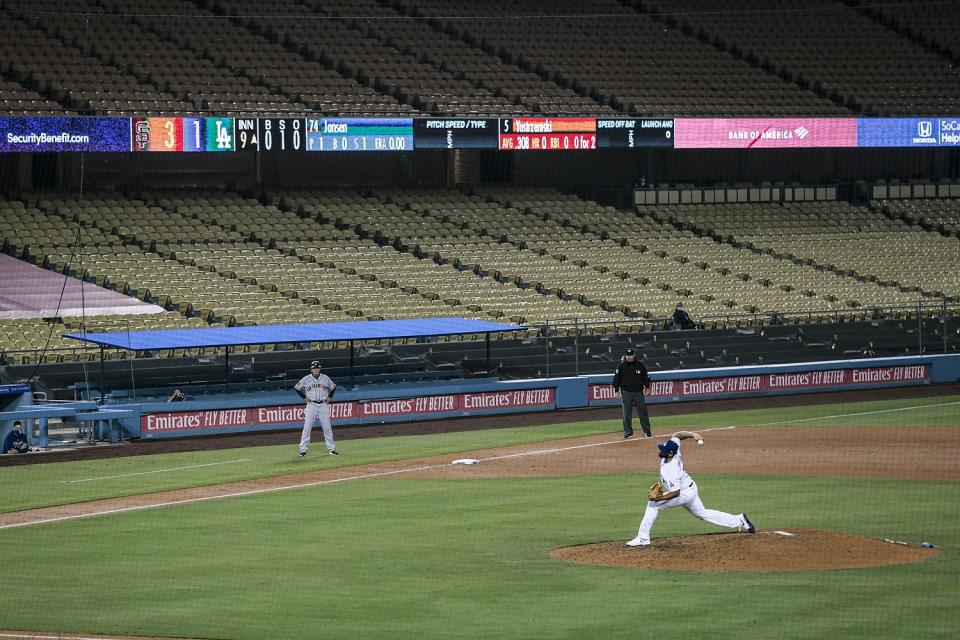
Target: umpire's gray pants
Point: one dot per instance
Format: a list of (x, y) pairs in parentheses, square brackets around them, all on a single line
[(631, 399)]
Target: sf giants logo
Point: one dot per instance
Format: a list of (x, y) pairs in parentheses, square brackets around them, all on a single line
[(141, 134)]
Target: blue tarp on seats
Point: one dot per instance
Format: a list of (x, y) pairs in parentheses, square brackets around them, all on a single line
[(291, 333)]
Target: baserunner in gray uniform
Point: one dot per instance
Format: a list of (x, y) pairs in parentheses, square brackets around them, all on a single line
[(317, 389)]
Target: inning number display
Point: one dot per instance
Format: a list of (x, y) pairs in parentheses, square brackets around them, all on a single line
[(271, 134)]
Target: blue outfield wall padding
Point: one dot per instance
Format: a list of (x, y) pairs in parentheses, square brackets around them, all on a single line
[(291, 333), (571, 392), (944, 369)]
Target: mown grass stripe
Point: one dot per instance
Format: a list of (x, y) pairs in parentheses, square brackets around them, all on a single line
[(144, 473)]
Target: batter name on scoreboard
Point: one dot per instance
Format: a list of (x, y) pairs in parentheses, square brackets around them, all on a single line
[(548, 134), (359, 134)]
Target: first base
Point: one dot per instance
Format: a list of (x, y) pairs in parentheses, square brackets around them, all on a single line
[(465, 461)]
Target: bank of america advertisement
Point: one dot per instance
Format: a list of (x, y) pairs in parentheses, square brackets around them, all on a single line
[(908, 132), (764, 133)]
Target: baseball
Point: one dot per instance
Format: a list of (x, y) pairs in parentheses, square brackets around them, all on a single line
[(700, 441)]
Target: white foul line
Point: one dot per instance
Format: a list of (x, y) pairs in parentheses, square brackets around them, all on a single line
[(862, 413), (533, 453), (302, 485), (584, 446), (214, 497), (144, 473)]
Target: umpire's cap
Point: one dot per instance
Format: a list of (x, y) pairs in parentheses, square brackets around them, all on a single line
[(668, 448), (630, 352), (315, 364)]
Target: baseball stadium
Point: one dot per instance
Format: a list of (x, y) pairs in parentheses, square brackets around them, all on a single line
[(504, 319)]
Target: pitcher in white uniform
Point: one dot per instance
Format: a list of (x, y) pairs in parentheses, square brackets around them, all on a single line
[(317, 389), (681, 491)]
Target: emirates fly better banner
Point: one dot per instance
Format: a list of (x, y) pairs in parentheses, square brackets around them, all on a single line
[(701, 388), (456, 403), (463, 404)]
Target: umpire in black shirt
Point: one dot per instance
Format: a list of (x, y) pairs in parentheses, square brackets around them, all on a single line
[(629, 381)]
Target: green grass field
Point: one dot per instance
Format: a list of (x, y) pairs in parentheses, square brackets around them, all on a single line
[(411, 558)]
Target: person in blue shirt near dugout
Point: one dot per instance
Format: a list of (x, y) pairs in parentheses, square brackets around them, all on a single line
[(16, 441)]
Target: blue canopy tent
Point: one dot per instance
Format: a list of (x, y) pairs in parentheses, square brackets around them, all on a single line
[(351, 332)]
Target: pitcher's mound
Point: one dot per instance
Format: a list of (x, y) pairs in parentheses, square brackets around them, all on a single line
[(770, 550)]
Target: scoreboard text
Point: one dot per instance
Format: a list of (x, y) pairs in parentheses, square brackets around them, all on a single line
[(548, 134), (182, 134), (359, 134), (195, 134)]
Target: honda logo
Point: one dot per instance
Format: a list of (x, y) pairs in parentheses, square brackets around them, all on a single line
[(924, 129)]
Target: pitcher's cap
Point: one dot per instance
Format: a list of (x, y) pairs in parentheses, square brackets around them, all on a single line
[(670, 447)]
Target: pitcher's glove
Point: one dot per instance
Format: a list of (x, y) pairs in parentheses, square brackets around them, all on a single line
[(656, 491)]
